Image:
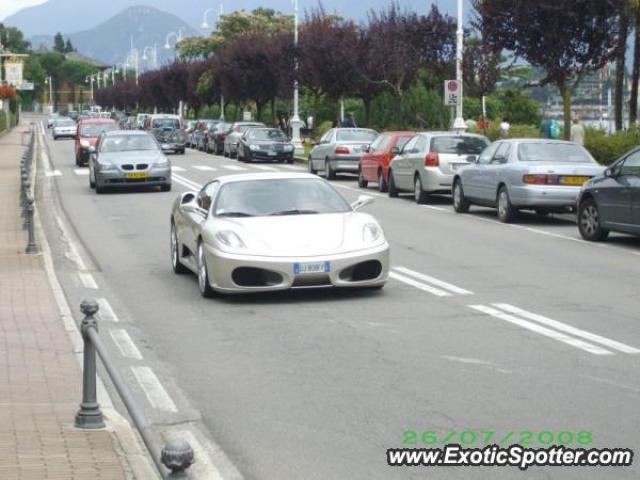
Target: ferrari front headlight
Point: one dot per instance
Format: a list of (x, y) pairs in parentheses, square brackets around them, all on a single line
[(371, 232), (230, 239)]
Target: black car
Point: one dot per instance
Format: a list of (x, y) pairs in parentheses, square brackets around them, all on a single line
[(611, 201), (265, 144)]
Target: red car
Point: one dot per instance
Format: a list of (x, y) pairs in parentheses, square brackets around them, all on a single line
[(374, 164), (89, 129)]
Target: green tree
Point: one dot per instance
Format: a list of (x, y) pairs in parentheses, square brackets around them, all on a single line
[(68, 47), (58, 43), (74, 74), (13, 40)]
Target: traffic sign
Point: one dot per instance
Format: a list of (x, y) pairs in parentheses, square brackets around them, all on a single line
[(451, 92), (26, 86)]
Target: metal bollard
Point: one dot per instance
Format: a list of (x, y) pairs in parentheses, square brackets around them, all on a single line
[(31, 244), (89, 415)]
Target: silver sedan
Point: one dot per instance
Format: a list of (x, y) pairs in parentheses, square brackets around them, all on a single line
[(526, 174), (128, 158), (263, 232)]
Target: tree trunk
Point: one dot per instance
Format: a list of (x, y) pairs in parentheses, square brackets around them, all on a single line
[(274, 120), (620, 65), (633, 102), (367, 111), (565, 89)]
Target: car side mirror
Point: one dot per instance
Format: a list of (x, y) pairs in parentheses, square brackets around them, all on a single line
[(395, 151), (187, 197), (367, 149), (472, 159), (499, 160), (608, 172), (362, 201)]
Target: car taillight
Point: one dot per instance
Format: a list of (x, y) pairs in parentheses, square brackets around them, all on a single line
[(431, 160), (342, 150), (541, 179)]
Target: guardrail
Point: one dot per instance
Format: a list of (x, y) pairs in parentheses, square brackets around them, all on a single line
[(177, 455), (26, 188)]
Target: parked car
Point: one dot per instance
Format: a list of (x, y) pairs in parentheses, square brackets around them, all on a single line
[(189, 128), (63, 127), (427, 162), (525, 174), (126, 158), (51, 119), (374, 164), (201, 133), (273, 231), (233, 137), (217, 135), (119, 117), (609, 201), (168, 131), (87, 133), (269, 144), (140, 120), (340, 150)]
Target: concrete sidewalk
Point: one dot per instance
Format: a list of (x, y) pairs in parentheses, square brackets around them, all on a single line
[(40, 379)]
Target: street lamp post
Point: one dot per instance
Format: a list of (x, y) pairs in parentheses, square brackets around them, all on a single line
[(178, 36), (89, 79), (296, 123), (458, 123), (154, 54), (49, 81)]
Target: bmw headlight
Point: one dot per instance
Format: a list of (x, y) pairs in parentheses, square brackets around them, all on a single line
[(288, 148), (371, 233), (85, 143), (104, 167), (163, 163), (254, 148), (230, 239)]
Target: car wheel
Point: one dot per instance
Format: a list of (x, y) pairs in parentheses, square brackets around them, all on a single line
[(92, 180), (393, 191), (165, 188), (99, 190), (203, 275), (78, 162), (310, 166), (506, 210), (178, 267), (225, 152), (289, 160), (382, 183), (362, 183), (419, 194), (589, 221), (460, 202), (329, 173)]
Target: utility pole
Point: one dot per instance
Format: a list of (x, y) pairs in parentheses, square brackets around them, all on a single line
[(296, 123), (458, 123)]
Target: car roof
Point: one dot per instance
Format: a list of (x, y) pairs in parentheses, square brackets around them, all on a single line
[(100, 121), (538, 140), (347, 129), (259, 124), (242, 177), (125, 132), (444, 133), (163, 115)]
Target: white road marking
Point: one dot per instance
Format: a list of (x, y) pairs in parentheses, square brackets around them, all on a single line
[(292, 167), (186, 182), (55, 173), (433, 281), (361, 191), (153, 389), (547, 332), (235, 168), (205, 168), (124, 343), (439, 209), (81, 171), (419, 285), (105, 311), (177, 169), (266, 168), (87, 280), (567, 328)]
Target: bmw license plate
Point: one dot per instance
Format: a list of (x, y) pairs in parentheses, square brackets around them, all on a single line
[(137, 175), (315, 267)]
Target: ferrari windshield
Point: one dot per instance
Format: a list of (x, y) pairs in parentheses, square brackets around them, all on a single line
[(127, 143), (282, 196), (94, 130)]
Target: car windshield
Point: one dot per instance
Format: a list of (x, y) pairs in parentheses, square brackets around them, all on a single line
[(274, 135), (96, 129), (356, 135), (127, 143), (553, 152), (287, 196), (65, 123), (244, 128), (459, 145), (166, 123)]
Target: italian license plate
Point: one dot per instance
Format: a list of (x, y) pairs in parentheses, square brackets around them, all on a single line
[(571, 180), (315, 267), (137, 175)]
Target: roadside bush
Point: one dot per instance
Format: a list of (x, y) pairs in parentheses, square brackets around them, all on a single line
[(515, 131), (322, 128), (607, 148)]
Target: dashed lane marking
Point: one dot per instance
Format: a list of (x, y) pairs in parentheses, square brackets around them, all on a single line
[(87, 280), (205, 168), (433, 281), (177, 169), (81, 171), (537, 328), (54, 173), (235, 168), (419, 285), (153, 389), (105, 312), (124, 343)]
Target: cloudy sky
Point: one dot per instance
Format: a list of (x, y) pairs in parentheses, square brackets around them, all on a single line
[(7, 7)]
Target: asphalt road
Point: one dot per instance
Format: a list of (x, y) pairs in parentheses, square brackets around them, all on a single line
[(318, 384)]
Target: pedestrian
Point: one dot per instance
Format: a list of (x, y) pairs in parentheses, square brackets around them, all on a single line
[(504, 128), (421, 122), (349, 121), (545, 126), (577, 131)]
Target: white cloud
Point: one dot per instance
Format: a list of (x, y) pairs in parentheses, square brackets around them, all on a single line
[(8, 7)]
